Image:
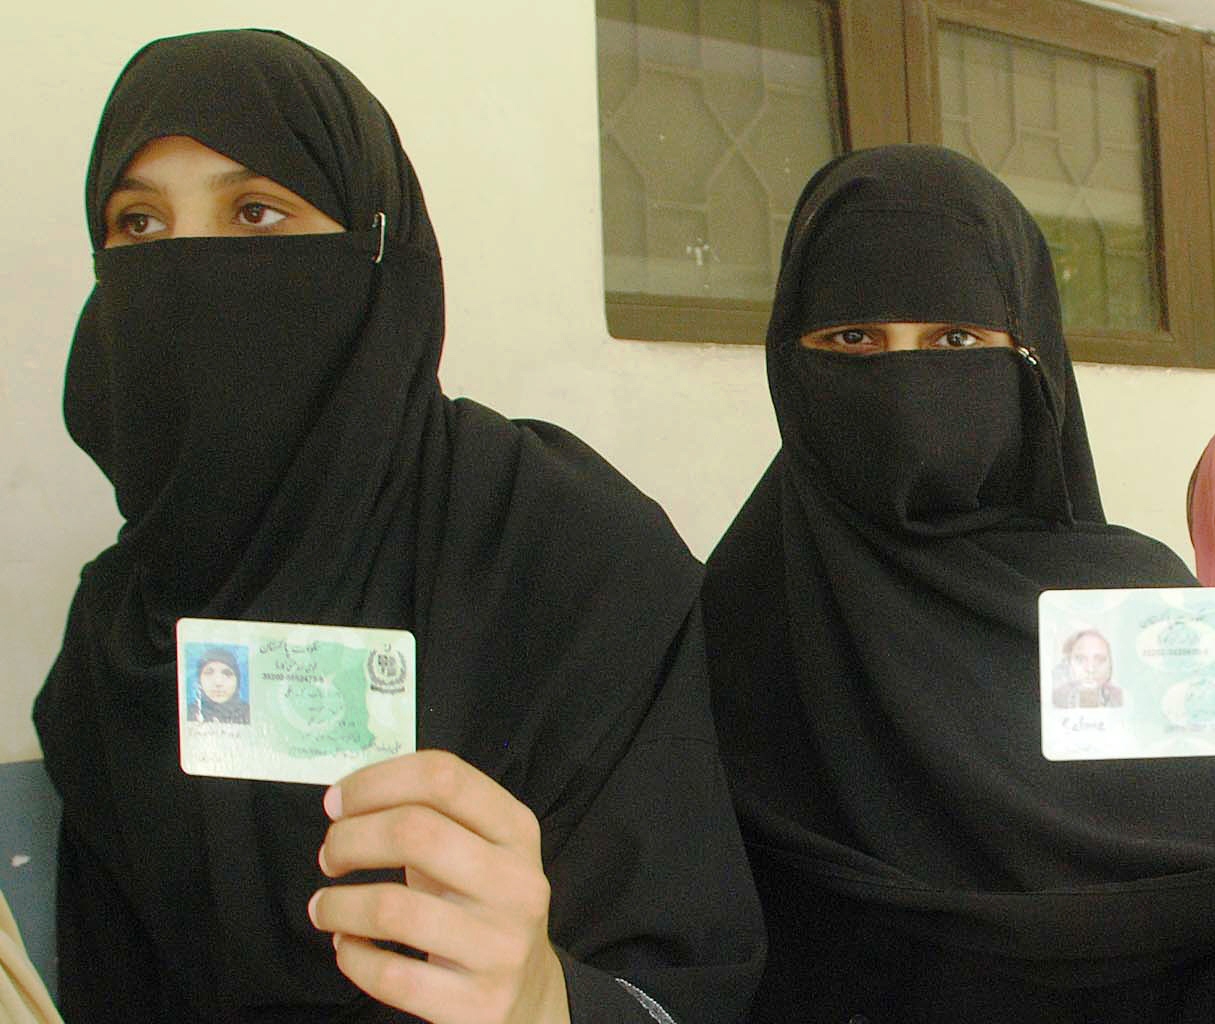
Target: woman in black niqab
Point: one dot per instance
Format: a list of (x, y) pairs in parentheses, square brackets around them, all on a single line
[(268, 412), (871, 617)]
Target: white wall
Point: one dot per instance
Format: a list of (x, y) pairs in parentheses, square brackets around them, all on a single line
[(496, 105)]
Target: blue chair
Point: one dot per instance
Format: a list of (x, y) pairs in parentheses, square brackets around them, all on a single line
[(29, 830)]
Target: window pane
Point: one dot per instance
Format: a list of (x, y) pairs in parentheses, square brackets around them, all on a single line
[(1071, 136), (713, 113)]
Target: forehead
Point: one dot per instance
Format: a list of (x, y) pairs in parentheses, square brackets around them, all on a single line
[(269, 103), (178, 158)]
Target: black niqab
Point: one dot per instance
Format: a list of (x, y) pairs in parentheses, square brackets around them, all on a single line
[(269, 414), (871, 619)]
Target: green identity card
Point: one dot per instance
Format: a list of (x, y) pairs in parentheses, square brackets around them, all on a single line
[(292, 703), (1127, 673)]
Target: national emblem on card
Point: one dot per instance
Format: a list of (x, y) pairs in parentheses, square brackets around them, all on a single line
[(389, 677)]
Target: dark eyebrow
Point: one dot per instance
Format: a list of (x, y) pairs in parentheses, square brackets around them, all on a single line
[(215, 181), (131, 185), (218, 181)]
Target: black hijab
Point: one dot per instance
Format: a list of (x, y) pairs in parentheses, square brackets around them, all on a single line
[(871, 619), (269, 414)]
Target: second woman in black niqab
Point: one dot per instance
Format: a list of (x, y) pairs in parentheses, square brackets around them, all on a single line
[(872, 632), (268, 411)]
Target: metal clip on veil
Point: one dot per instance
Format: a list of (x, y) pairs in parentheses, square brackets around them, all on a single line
[(381, 222)]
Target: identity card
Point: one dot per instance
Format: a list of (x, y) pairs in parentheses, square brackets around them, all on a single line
[(1127, 673), (292, 703)]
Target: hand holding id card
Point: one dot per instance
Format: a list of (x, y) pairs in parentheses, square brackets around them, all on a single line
[(292, 703), (1127, 673)]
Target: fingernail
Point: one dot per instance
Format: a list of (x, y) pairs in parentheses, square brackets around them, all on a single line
[(333, 802), (321, 860), (316, 896)]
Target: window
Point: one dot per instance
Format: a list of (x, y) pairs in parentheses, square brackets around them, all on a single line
[(713, 115), (1070, 136), (1100, 114)]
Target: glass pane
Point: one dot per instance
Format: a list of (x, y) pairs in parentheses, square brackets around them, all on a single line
[(1071, 135), (713, 114)]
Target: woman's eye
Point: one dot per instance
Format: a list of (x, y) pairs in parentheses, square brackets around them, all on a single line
[(856, 340), (850, 337), (259, 215), (139, 225), (957, 338)]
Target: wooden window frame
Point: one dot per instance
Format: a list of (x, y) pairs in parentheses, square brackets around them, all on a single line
[(873, 111), (873, 72), (1171, 60), (886, 80), (1205, 295)]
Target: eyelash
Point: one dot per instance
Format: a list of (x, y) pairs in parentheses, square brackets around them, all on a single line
[(975, 339), (265, 208), (124, 222), (837, 338)]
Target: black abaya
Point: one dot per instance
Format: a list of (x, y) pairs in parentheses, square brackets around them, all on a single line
[(872, 631), (269, 414)]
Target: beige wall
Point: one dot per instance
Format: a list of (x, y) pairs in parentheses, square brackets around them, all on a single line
[(496, 104)]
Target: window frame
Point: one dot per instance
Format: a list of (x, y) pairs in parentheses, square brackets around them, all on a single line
[(887, 86), (1203, 253), (1168, 58), (858, 29), (869, 37)]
